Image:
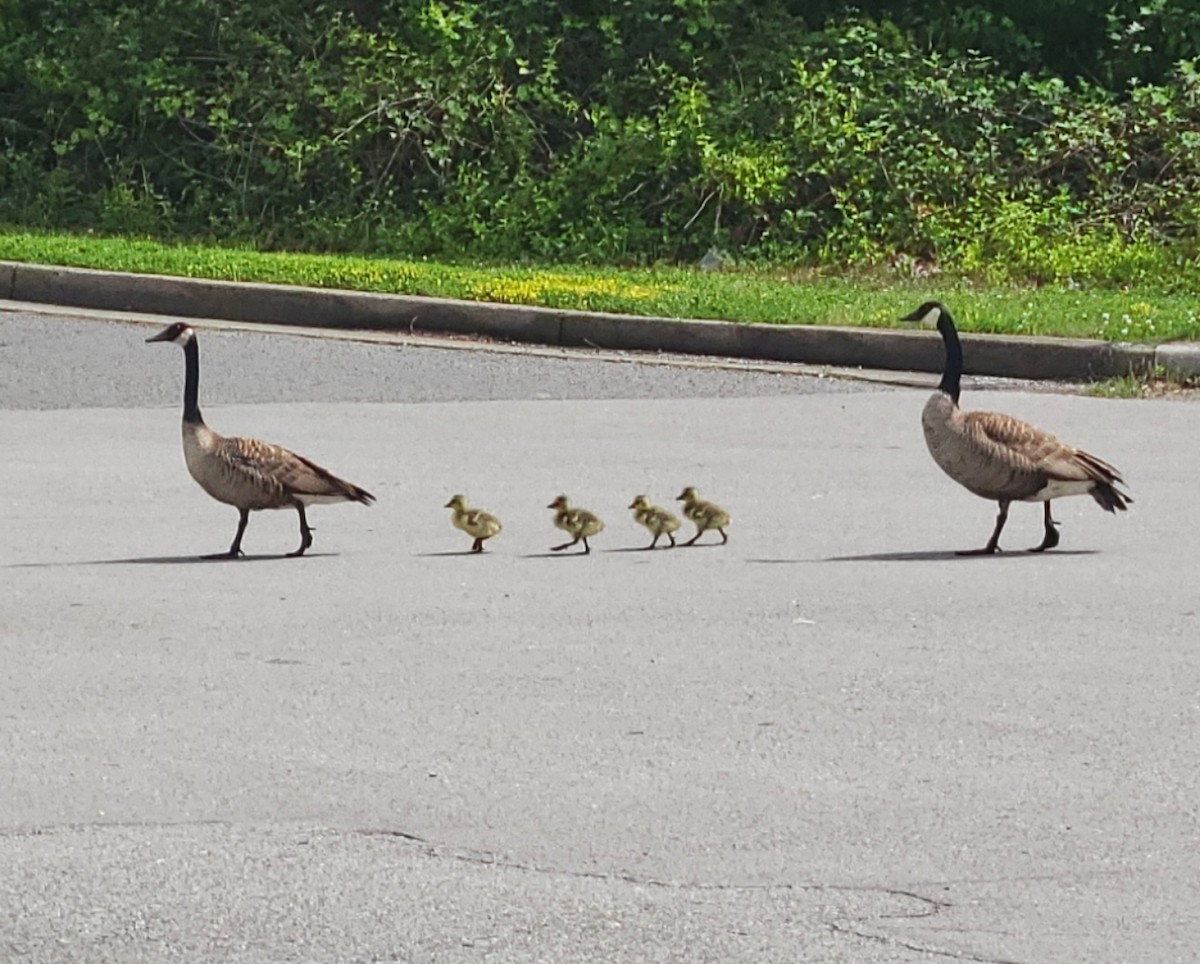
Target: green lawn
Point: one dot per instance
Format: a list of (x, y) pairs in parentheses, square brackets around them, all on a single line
[(760, 295)]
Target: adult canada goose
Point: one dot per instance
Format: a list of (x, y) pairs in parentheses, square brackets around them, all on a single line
[(659, 522), (706, 515), (474, 522), (1001, 458), (244, 472), (579, 523)]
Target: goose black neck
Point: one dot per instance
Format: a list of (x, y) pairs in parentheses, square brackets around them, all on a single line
[(191, 383), (952, 373)]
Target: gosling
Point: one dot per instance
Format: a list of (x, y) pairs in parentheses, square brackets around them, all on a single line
[(579, 523), (476, 523), (705, 515), (659, 522)]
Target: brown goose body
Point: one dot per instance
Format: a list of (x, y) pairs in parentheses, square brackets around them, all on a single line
[(999, 457), (1002, 458), (254, 475), (246, 473)]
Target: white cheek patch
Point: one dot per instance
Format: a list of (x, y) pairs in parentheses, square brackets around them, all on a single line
[(930, 318), (184, 337)]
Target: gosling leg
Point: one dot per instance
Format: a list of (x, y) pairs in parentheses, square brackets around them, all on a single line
[(724, 538), (477, 545), (566, 545), (692, 540), (305, 532), (1050, 539), (235, 550), (654, 541), (671, 536), (993, 544), (586, 548)]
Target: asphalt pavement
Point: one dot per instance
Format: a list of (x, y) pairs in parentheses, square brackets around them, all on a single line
[(830, 740), (69, 361)]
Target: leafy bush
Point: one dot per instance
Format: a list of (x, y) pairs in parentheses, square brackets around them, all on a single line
[(654, 130)]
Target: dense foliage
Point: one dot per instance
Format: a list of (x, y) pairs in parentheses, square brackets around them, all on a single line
[(1053, 140)]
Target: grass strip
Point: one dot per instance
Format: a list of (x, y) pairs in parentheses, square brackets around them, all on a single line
[(773, 296)]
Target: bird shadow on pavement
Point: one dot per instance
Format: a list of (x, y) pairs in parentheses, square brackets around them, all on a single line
[(638, 550), (166, 560), (940, 555), (928, 555)]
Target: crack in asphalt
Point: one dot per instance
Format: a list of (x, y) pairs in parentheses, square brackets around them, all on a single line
[(928, 907), (921, 948)]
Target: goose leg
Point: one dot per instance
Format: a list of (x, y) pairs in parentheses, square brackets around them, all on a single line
[(235, 550), (993, 544), (1050, 539), (305, 532)]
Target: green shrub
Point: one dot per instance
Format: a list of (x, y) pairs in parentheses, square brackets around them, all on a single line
[(783, 132)]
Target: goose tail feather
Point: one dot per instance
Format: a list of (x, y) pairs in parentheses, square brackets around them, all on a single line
[(321, 478), (1109, 497), (357, 494), (1105, 491)]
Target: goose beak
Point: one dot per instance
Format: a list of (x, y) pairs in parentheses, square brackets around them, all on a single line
[(913, 316), (164, 335)]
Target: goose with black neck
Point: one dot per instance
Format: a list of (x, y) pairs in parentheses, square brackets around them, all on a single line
[(1001, 458), (245, 473)]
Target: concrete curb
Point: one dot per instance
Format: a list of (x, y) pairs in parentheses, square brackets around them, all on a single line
[(1067, 359)]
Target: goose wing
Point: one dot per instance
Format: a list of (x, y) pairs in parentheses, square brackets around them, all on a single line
[(1025, 448), (481, 523), (274, 469), (657, 520), (586, 523), (665, 520), (711, 514)]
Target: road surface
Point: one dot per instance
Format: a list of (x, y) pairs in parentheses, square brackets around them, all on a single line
[(829, 741)]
